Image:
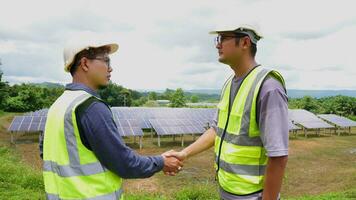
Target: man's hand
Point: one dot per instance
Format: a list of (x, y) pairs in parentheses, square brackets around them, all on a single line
[(180, 155), (203, 143), (172, 165)]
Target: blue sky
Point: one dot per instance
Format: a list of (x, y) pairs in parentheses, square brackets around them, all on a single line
[(165, 44)]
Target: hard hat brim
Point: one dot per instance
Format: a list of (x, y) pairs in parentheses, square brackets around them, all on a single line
[(221, 31), (233, 31), (113, 48)]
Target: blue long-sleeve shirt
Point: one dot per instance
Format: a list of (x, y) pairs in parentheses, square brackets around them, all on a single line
[(98, 132)]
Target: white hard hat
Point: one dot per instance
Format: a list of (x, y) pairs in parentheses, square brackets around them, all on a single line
[(76, 46), (251, 31)]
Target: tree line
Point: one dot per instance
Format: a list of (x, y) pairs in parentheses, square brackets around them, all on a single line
[(31, 97), (340, 105), (27, 97)]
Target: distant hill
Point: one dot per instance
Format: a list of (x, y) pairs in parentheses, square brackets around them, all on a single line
[(49, 85), (215, 93), (320, 93), (295, 93)]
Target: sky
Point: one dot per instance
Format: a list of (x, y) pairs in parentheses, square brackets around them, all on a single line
[(165, 44)]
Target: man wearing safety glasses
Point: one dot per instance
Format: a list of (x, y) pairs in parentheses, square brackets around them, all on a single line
[(83, 154), (250, 135)]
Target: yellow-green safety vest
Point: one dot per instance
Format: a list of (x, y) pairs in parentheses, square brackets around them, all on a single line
[(70, 170), (240, 156)]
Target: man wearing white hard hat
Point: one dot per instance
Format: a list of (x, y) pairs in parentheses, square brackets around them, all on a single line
[(250, 134), (83, 153)]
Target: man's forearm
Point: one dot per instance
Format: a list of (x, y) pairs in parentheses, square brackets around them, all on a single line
[(274, 177), (203, 143)]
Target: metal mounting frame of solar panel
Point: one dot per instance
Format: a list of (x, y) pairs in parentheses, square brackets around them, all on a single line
[(292, 126), (293, 129), (339, 122), (307, 120)]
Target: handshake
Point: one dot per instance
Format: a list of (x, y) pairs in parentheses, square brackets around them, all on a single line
[(173, 162)]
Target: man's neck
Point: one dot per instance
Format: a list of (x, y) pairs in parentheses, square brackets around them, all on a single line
[(77, 79), (243, 67)]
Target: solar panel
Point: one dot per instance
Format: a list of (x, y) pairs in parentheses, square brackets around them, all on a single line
[(307, 119), (338, 120), (27, 124), (144, 114), (177, 126), (129, 127), (42, 112), (15, 124)]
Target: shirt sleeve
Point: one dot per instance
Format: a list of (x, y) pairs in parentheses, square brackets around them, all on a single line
[(102, 135), (272, 115), (214, 123)]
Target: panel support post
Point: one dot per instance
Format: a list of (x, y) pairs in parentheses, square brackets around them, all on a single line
[(159, 140), (182, 140)]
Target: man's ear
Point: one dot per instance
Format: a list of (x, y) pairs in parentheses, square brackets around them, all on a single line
[(84, 64), (246, 42)]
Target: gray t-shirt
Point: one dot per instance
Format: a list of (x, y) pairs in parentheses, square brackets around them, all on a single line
[(272, 118)]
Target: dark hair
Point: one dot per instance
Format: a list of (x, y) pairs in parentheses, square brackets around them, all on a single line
[(89, 53), (253, 48)]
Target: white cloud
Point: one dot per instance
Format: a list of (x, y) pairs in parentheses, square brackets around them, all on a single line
[(165, 43)]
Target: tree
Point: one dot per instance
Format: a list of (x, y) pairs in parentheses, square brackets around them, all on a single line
[(3, 91), (168, 94), (341, 105), (24, 98), (139, 102), (178, 99), (151, 103), (152, 96), (194, 99), (49, 95), (116, 95), (135, 94)]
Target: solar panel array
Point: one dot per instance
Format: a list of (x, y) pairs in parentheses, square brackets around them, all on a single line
[(144, 115), (28, 124), (171, 121), (307, 119), (338, 120), (131, 121)]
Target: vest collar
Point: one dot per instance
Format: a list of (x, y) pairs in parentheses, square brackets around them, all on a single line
[(80, 86)]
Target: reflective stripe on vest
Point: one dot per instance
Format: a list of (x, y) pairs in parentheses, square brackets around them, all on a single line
[(243, 159), (70, 170), (110, 196)]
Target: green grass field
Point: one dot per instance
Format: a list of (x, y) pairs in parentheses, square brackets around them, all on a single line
[(17, 180), (320, 168)]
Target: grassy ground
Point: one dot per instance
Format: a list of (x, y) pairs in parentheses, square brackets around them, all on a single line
[(17, 180), (320, 167)]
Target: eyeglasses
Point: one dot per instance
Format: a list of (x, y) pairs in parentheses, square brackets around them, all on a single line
[(220, 38), (105, 59)]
